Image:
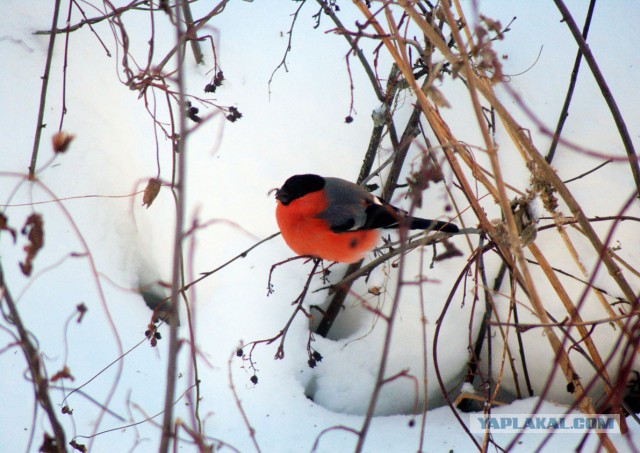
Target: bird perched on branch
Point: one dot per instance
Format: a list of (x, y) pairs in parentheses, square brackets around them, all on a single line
[(337, 220)]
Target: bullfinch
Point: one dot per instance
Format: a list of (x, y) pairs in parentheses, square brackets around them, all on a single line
[(337, 220)]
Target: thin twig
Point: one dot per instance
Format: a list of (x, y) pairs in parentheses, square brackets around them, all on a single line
[(514, 306), (348, 429), (436, 337), (93, 20), (378, 129), (282, 335), (283, 62), (195, 44), (113, 362), (350, 277), (245, 418), (130, 425), (386, 350), (40, 382), (64, 72), (564, 113), (238, 256), (43, 92), (606, 92), (411, 131), (197, 25), (566, 322), (575, 178), (191, 317), (472, 367), (356, 49)]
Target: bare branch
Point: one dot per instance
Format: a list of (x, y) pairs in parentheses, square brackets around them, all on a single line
[(40, 382), (43, 92), (606, 92), (564, 113)]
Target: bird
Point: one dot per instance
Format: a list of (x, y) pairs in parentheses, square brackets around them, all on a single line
[(337, 220)]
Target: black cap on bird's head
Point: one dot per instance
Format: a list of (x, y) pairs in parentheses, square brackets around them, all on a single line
[(298, 186)]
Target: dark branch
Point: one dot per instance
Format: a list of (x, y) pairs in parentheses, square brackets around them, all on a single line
[(40, 381), (564, 113), (606, 92)]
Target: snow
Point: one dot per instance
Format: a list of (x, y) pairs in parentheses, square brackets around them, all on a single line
[(98, 250)]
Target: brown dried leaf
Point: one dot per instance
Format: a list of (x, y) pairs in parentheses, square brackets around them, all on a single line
[(4, 225), (438, 98), (33, 229), (151, 192), (64, 373), (61, 141), (79, 447)]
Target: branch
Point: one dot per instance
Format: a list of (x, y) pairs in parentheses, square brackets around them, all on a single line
[(357, 50), (283, 62), (238, 256), (245, 418), (575, 178), (33, 360), (197, 25), (180, 188), (564, 113), (43, 93), (195, 44), (93, 20), (566, 322), (606, 92)]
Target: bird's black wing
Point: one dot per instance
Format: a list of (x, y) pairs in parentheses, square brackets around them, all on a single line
[(381, 215), (385, 215), (352, 208)]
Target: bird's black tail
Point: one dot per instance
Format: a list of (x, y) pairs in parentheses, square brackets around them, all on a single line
[(435, 225)]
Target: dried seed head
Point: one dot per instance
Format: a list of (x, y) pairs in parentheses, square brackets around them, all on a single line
[(151, 192), (61, 141)]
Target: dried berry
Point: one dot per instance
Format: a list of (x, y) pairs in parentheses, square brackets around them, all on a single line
[(234, 114), (192, 113)]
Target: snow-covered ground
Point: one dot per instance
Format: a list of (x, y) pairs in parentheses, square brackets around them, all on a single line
[(99, 249)]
